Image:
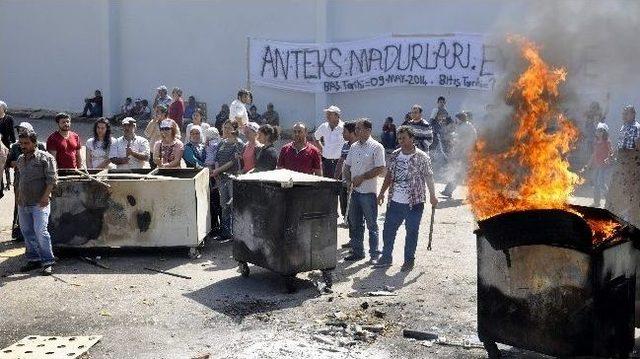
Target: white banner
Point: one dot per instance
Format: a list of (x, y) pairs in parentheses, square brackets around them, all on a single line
[(458, 60)]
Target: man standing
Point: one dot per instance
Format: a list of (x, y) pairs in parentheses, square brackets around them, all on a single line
[(623, 198), (349, 135), (271, 116), (422, 129), (8, 138), (14, 152), (329, 140), (162, 97), (65, 144), (238, 110), (37, 178), (364, 163), (300, 155), (439, 115), (130, 151)]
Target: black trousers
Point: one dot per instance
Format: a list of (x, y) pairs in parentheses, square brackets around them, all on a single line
[(329, 167), (344, 198), (214, 205)]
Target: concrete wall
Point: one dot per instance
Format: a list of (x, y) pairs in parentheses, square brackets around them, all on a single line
[(55, 53)]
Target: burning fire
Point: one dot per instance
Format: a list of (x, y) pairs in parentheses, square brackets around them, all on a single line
[(532, 172)]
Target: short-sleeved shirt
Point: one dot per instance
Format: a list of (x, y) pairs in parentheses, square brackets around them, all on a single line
[(14, 152), (227, 151), (267, 159), (410, 173), (98, 153), (362, 158), (65, 149), (401, 188), (307, 160), (35, 175), (238, 109), (249, 157), (332, 139), (423, 133), (138, 144), (168, 153)]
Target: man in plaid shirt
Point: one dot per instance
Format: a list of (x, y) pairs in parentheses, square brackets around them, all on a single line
[(630, 131)]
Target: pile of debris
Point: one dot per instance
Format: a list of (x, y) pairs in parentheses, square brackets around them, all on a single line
[(341, 329)]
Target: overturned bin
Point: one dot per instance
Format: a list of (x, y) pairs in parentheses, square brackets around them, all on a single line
[(286, 222), (130, 208)]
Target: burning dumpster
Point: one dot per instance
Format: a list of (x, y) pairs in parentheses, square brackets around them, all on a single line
[(557, 282), (285, 221), (130, 208)]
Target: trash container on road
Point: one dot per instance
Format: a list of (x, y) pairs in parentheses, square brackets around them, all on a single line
[(286, 222)]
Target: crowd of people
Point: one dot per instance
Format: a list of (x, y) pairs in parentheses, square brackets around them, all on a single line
[(241, 141)]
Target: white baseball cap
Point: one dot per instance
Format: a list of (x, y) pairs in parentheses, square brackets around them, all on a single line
[(162, 87), (166, 123), (334, 109), (25, 125), (128, 120), (253, 126)]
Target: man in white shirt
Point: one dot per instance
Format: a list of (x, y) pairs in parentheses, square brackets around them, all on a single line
[(329, 140), (130, 151), (364, 163), (238, 110)]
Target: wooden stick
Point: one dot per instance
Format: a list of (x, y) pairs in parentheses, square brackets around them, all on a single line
[(168, 273)]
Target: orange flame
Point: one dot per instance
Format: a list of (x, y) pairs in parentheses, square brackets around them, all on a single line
[(533, 172)]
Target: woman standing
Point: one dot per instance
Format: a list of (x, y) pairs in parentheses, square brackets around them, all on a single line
[(194, 151), (408, 177), (176, 109), (267, 157), (167, 153), (97, 148), (198, 120), (221, 117)]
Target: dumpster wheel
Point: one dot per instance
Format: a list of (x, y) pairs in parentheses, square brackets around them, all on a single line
[(243, 267), (194, 253), (327, 277)]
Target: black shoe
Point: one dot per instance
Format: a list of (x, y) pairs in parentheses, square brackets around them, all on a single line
[(447, 195), (346, 245), (354, 257), (407, 266), (30, 266), (47, 270), (222, 239)]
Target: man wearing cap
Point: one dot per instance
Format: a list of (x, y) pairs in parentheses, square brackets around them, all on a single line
[(64, 144), (14, 152), (130, 151), (38, 177), (250, 148), (329, 140), (238, 109), (300, 155), (162, 97)]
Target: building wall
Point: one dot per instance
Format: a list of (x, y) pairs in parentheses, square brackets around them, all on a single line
[(55, 53)]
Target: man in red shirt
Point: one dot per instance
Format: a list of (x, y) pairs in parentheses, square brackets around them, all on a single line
[(300, 155), (64, 144)]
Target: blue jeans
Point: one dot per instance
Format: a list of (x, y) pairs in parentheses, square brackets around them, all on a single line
[(226, 218), (599, 184), (363, 209), (33, 224), (396, 213)]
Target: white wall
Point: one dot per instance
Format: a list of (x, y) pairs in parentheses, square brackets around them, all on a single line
[(55, 53)]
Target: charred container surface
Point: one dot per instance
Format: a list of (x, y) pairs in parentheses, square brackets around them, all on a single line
[(285, 221), (545, 284), (169, 208)]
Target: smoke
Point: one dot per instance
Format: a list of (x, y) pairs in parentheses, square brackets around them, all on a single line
[(595, 41)]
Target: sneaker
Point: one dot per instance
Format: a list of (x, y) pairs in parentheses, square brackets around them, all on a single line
[(47, 270), (382, 263), (407, 266), (445, 194), (343, 225), (374, 259), (222, 239), (354, 257), (29, 267), (346, 245)]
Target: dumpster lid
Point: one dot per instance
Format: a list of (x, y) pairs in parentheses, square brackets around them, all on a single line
[(283, 177)]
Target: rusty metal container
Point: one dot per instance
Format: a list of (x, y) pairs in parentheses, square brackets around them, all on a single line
[(169, 208), (545, 285), (285, 221)]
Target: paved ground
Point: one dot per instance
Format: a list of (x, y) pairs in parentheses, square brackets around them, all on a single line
[(149, 315)]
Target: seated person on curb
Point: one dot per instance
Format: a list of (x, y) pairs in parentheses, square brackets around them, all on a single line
[(93, 105)]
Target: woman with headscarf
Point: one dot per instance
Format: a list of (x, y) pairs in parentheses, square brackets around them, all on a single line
[(194, 151), (212, 142), (198, 120)]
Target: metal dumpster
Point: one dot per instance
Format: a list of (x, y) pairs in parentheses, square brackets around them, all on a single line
[(130, 208), (285, 221)]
